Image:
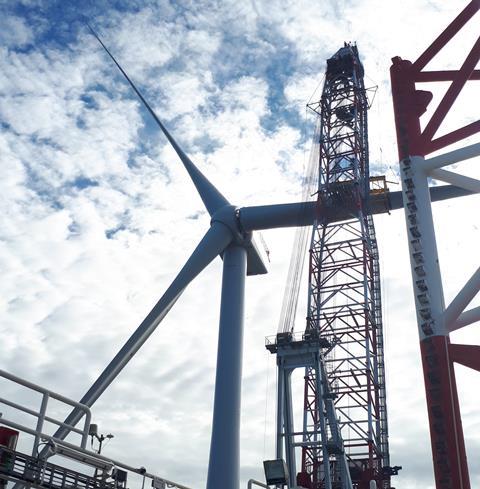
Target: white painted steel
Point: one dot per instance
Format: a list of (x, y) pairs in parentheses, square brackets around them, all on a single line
[(466, 318), (261, 217), (99, 458), (285, 426), (323, 428), (463, 298), (452, 157), (427, 280), (289, 428), (37, 414), (224, 460), (67, 447), (306, 355), (40, 420), (426, 275), (332, 418), (253, 482), (41, 416), (280, 396), (468, 183), (91, 460)]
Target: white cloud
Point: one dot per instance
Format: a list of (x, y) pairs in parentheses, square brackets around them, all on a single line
[(82, 162), (14, 31)]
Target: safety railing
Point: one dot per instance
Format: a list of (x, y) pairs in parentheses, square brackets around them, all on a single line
[(41, 414), (307, 336), (60, 447), (253, 482)]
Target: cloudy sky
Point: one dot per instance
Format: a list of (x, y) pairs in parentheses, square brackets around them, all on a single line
[(97, 215)]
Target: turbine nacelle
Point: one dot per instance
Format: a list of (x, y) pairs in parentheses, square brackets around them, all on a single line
[(229, 216)]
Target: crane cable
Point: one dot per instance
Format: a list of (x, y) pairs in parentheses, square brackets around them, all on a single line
[(297, 258)]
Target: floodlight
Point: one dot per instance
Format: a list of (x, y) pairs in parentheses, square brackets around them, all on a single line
[(276, 472), (55, 448)]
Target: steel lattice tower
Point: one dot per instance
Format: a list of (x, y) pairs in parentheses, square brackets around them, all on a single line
[(344, 289)]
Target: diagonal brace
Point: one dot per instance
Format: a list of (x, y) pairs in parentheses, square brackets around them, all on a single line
[(456, 179), (452, 157), (447, 35), (466, 318), (463, 298), (452, 92)]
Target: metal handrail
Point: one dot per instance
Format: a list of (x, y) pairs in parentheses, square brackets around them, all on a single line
[(252, 482), (41, 415), (296, 336), (37, 415), (93, 455), (40, 436)]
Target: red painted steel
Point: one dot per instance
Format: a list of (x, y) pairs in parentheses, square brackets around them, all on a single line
[(344, 288), (448, 447), (448, 34), (410, 103), (443, 75), (467, 355), (455, 136), (8, 437), (453, 91)]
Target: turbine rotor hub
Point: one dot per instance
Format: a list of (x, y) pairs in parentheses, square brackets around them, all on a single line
[(229, 216)]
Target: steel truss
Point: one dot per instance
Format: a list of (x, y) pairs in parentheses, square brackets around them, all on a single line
[(306, 351), (435, 321), (344, 290)]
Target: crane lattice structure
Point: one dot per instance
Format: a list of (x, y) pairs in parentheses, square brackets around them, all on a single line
[(344, 283), (344, 440)]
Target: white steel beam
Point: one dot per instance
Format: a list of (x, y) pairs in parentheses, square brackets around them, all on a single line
[(463, 298), (427, 279), (466, 318), (462, 181), (452, 157)]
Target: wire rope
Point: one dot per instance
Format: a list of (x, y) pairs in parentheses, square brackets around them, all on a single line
[(297, 258)]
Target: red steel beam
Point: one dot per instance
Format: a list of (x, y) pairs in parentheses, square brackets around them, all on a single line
[(454, 136), (443, 76), (453, 91), (467, 355), (404, 74), (438, 355), (470, 10)]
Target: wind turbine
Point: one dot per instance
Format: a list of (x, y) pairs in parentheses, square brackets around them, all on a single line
[(230, 235)]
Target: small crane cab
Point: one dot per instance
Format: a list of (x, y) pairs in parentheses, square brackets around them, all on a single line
[(344, 63)]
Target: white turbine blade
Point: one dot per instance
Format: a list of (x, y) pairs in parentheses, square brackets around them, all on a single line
[(213, 243), (256, 218), (211, 197)]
